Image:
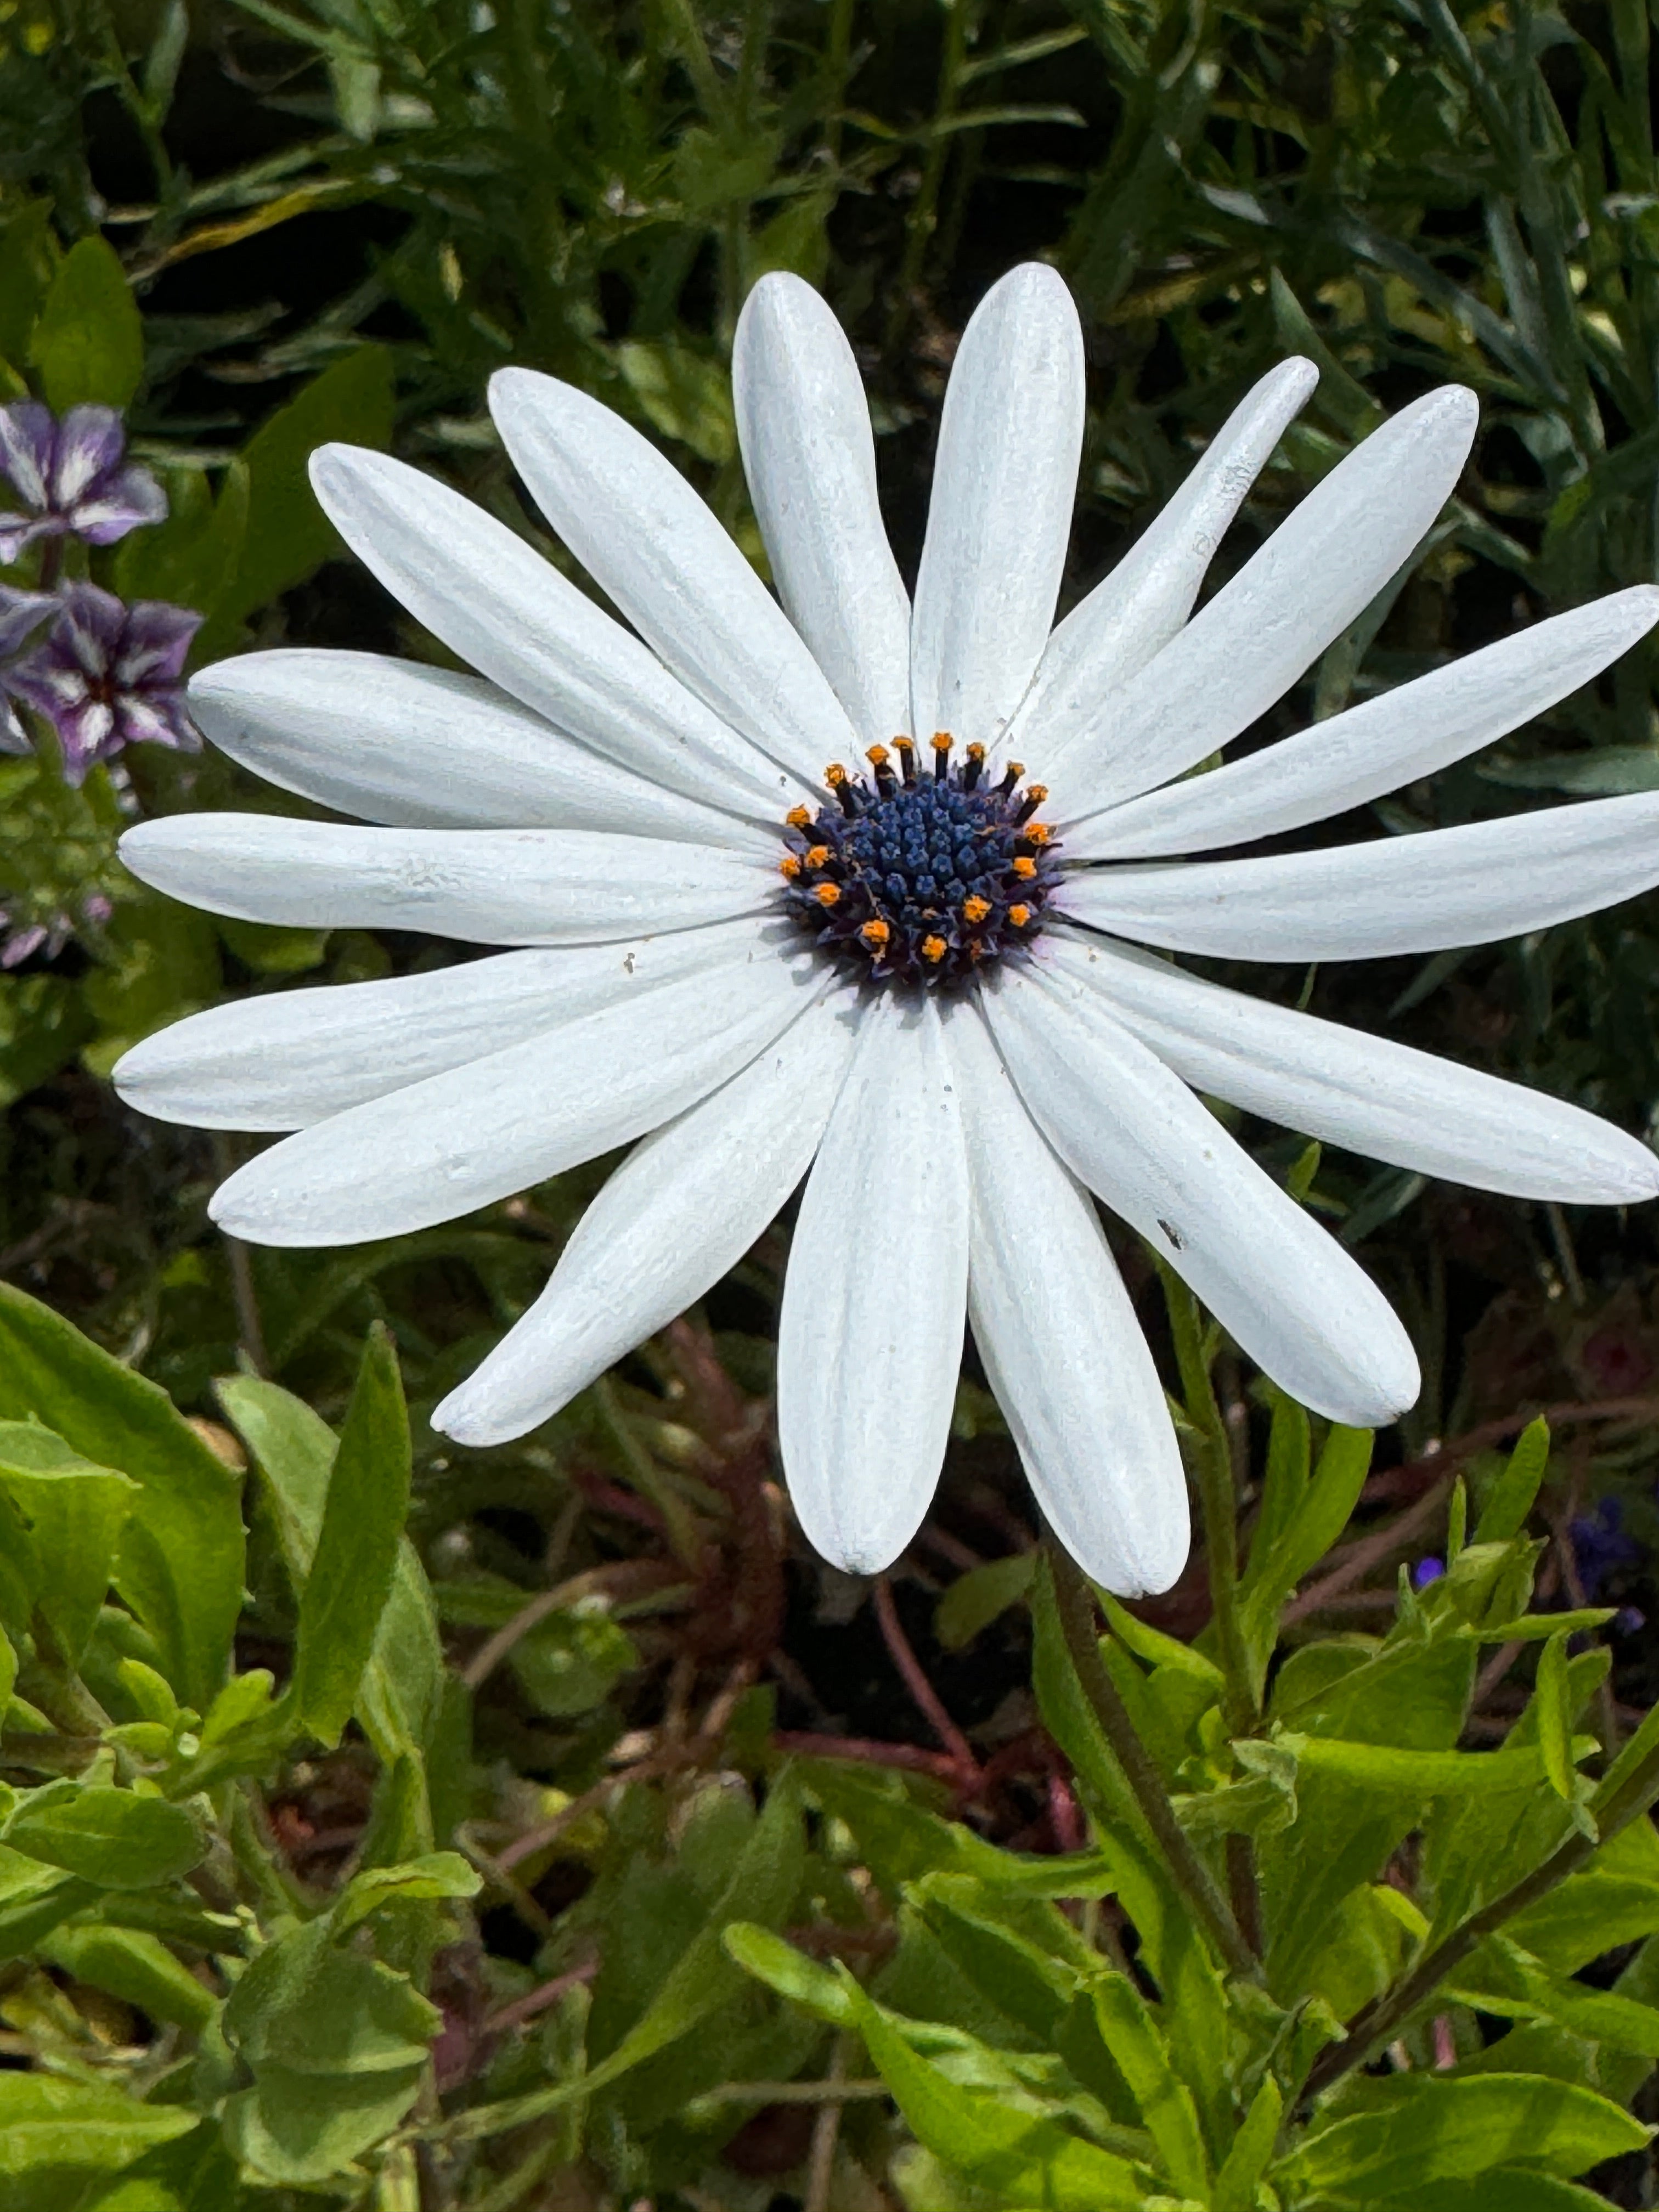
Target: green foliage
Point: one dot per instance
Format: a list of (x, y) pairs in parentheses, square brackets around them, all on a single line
[(87, 342)]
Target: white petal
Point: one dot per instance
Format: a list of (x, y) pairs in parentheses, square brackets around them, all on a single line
[(1287, 1292), (511, 615), (1243, 650), (462, 1140), (1414, 730), (1004, 482), (810, 457), (1060, 1340), (641, 531), (1385, 1100), (490, 886), (1413, 893), (680, 1211), (869, 1336), (422, 747), (286, 1059), (1134, 611)]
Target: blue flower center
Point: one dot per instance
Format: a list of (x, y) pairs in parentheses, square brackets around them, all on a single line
[(921, 877)]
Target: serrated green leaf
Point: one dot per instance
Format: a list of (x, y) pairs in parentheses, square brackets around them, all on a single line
[(89, 341)]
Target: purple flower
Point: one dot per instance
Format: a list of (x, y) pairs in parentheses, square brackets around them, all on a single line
[(69, 477), (107, 675), (1601, 1545), (1426, 1571)]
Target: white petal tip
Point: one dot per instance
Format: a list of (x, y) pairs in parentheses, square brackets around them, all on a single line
[(463, 1422)]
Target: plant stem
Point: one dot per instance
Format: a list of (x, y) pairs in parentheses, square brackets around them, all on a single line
[(1075, 1603), (1382, 2019), (1217, 1496)]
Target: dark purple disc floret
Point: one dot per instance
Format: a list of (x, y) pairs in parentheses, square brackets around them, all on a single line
[(71, 477), (106, 675)]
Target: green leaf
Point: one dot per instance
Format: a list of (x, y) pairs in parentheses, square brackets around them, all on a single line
[(137, 1967), (287, 534), (336, 2044), (351, 1573), (1136, 2043), (1555, 1718), (180, 1562), (28, 261), (685, 395), (1441, 2128), (1023, 2159), (1314, 1524), (788, 1972), (1415, 1776), (89, 343), (1508, 2189), (114, 1837), (191, 557), (48, 2124), (974, 1599), (1503, 1515), (294, 1451), (436, 1874), (76, 1511), (1253, 2145)]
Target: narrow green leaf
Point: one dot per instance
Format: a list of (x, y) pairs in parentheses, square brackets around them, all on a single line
[(1136, 2042), (1157, 1649), (1555, 1717), (294, 1451), (974, 1599), (29, 257), (1253, 2145), (286, 534), (180, 1565), (1505, 1514), (1443, 2128), (351, 1574), (48, 2123), (111, 1837), (437, 1874), (137, 1967), (1412, 1775), (1020, 2159), (89, 343)]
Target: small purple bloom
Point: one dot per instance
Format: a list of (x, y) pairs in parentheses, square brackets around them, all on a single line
[(19, 613), (1601, 1545), (107, 675), (1426, 1571), (69, 477)]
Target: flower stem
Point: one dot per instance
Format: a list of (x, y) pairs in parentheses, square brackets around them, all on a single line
[(1382, 2019), (1217, 1496), (1074, 1601)]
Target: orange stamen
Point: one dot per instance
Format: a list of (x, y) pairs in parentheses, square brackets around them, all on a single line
[(934, 949), (827, 894), (875, 934), (789, 866), (818, 856), (975, 908), (1020, 915), (1024, 867)]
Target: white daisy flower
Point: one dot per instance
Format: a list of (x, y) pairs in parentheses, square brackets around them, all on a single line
[(938, 1013)]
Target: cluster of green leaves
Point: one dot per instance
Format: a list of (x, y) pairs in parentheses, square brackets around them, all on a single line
[(1315, 1957)]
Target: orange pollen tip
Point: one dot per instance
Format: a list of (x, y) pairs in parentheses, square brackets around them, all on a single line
[(1039, 792), (904, 744), (1024, 867), (1015, 769), (976, 752), (877, 755), (1020, 915), (975, 908), (790, 867), (799, 816), (941, 741), (834, 775), (1037, 832), (934, 949), (827, 894), (817, 857), (875, 934)]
